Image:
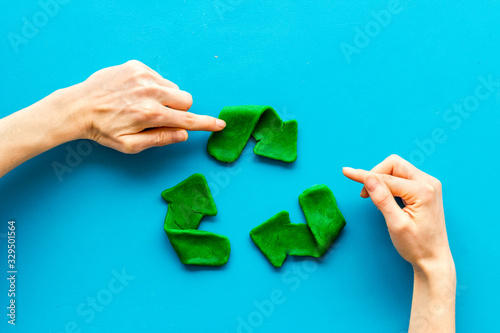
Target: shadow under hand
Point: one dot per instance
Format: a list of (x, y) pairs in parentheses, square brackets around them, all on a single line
[(150, 161)]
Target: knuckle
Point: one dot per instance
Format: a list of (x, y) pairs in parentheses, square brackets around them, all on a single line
[(134, 67), (143, 113), (385, 201), (397, 160), (138, 93), (188, 100), (142, 75), (147, 107), (401, 228), (437, 184), (162, 139), (394, 157), (141, 117), (189, 120), (164, 94), (157, 91), (138, 72), (134, 63), (428, 192), (151, 90), (130, 148)]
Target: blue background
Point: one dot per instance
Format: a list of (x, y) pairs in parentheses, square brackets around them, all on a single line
[(107, 215)]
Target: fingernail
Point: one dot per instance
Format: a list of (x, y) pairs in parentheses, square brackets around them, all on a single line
[(221, 123), (347, 169), (371, 183), (179, 136)]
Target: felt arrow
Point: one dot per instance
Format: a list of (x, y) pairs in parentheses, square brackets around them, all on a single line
[(188, 202), (278, 237), (275, 139)]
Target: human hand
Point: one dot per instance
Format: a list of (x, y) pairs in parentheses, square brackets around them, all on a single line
[(418, 233), (418, 230), (130, 108)]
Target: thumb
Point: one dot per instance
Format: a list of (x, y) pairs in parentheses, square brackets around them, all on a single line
[(384, 200)]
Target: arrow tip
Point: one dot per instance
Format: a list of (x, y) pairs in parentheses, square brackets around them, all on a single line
[(194, 193), (266, 237)]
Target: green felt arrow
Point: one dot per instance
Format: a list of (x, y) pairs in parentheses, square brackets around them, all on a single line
[(275, 139), (188, 202), (278, 237)]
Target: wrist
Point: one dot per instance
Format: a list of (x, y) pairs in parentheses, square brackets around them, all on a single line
[(437, 278), (37, 128), (54, 120), (67, 111), (442, 278), (49, 122), (434, 290), (435, 267)]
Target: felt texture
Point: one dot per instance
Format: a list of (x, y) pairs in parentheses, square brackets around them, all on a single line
[(188, 202), (276, 139), (278, 237)]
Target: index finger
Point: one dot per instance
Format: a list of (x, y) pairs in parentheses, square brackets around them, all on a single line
[(397, 166), (166, 117), (400, 187)]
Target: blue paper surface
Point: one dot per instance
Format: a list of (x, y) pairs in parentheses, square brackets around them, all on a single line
[(91, 252)]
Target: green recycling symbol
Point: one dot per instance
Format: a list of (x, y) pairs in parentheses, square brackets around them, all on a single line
[(191, 199)]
